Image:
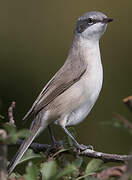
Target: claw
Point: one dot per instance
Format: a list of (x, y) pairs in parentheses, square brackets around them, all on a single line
[(56, 145), (84, 147)]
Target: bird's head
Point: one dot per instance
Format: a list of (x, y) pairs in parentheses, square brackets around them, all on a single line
[(92, 25)]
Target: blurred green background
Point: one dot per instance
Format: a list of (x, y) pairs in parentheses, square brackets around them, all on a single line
[(34, 40)]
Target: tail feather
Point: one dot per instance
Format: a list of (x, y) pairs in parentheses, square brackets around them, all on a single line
[(22, 150), (29, 113)]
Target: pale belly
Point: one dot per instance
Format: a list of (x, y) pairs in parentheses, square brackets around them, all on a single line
[(79, 114), (89, 96), (76, 103)]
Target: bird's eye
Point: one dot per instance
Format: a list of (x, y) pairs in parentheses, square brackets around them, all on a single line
[(90, 21)]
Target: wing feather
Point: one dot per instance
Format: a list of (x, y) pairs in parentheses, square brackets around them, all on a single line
[(70, 73)]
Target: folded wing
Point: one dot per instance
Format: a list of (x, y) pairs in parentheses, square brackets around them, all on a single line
[(70, 73)]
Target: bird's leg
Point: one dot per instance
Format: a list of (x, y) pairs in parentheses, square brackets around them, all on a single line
[(51, 135), (76, 144), (54, 142)]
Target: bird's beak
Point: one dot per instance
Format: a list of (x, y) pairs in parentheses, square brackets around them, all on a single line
[(107, 20)]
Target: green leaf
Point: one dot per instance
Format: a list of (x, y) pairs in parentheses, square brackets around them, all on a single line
[(10, 128), (93, 166), (69, 169), (78, 162), (32, 172), (48, 170), (28, 155), (13, 134)]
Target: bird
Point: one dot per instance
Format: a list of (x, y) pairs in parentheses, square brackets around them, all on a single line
[(71, 93)]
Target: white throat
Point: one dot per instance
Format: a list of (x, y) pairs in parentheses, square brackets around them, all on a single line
[(89, 51)]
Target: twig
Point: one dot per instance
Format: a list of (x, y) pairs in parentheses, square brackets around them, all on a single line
[(10, 112), (124, 120), (3, 155), (128, 102), (88, 153), (105, 156), (36, 146)]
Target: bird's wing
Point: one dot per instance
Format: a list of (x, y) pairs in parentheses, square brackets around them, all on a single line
[(70, 73)]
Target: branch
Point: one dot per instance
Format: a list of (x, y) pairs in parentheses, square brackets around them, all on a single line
[(10, 112), (88, 153), (3, 155), (105, 156), (128, 102), (36, 146)]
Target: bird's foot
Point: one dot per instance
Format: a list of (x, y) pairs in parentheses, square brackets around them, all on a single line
[(82, 147), (57, 145)]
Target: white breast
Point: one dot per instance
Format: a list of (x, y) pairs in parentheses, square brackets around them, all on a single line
[(90, 86)]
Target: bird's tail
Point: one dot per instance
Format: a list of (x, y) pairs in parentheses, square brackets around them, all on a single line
[(24, 146)]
